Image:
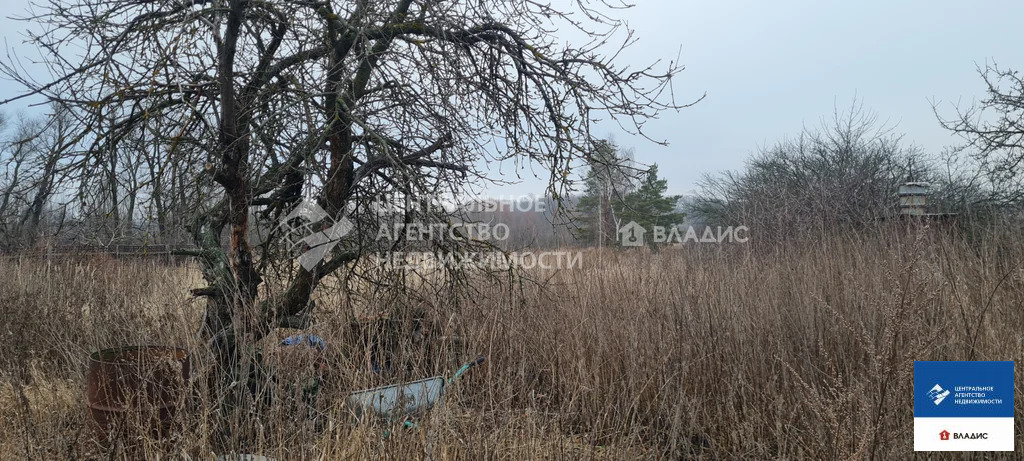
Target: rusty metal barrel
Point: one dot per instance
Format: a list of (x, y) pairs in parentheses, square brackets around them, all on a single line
[(136, 390)]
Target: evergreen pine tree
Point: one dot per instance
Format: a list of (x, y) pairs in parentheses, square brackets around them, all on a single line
[(607, 181), (648, 205)]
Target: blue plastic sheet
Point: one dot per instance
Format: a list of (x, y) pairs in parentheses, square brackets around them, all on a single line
[(308, 340)]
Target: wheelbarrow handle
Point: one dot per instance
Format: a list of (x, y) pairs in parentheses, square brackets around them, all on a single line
[(466, 367)]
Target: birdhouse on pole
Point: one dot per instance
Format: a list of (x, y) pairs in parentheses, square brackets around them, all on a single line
[(913, 198)]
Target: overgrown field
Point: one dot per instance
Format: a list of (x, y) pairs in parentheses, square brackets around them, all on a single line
[(737, 352)]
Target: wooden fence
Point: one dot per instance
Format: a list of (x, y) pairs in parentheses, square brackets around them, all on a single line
[(157, 252)]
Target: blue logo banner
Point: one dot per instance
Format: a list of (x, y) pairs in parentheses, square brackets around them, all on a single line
[(963, 389)]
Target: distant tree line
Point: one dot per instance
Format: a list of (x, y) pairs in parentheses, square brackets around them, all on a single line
[(51, 192), (846, 174)]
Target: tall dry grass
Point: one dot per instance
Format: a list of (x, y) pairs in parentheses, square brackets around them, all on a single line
[(737, 352)]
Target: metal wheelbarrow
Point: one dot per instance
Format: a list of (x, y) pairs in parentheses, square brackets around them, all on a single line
[(402, 401)]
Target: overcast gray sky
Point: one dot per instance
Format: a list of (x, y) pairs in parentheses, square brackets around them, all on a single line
[(770, 67)]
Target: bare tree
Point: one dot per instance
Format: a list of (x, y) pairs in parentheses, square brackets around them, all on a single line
[(35, 168), (844, 174), (343, 101), (993, 131)]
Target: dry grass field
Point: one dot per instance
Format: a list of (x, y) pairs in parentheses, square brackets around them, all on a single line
[(800, 351)]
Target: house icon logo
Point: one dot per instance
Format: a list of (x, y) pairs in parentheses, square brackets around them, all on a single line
[(631, 235), (944, 435)]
